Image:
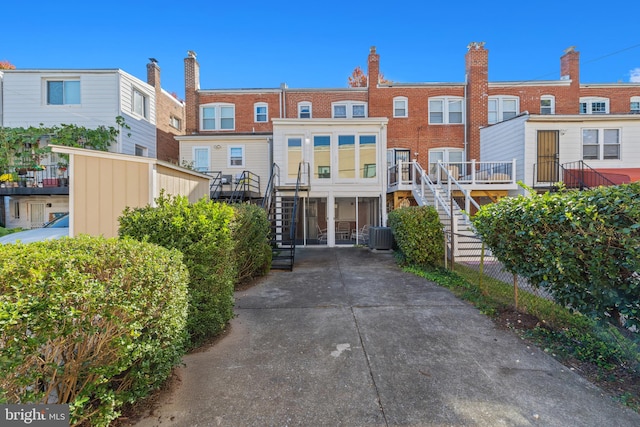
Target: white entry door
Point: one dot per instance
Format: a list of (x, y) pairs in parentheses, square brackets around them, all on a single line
[(36, 214)]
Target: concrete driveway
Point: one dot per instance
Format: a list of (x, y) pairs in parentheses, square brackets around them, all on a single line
[(347, 339)]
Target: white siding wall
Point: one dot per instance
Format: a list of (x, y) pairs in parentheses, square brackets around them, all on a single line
[(143, 129), (503, 143)]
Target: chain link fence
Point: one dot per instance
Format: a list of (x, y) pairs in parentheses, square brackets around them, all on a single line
[(466, 253)]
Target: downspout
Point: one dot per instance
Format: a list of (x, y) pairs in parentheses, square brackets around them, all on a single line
[(466, 117)]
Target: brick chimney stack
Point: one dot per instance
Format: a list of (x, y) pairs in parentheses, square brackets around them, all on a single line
[(373, 68), (153, 73), (570, 70), (191, 87), (477, 108)]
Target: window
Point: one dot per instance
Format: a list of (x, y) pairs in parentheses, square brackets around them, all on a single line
[(367, 156), (236, 156), (400, 106), (294, 157), (597, 141), (594, 105), (349, 109), (15, 208), (140, 151), (547, 104), (63, 92), (634, 106), (346, 156), (452, 157), (201, 159), (304, 110), (140, 103), (445, 110), (322, 155), (261, 115), (502, 108), (218, 117), (175, 122)]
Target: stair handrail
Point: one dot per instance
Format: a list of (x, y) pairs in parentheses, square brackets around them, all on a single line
[(215, 188), (420, 179), (452, 182), (269, 192), (603, 180)]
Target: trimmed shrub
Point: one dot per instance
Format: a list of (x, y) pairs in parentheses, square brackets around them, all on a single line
[(202, 232), (584, 247), (418, 234), (89, 321), (250, 231)]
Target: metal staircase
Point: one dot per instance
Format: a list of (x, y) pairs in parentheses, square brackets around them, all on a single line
[(282, 214)]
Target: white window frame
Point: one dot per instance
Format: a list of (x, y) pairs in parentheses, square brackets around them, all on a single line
[(65, 99), (500, 111), (230, 149), (548, 109), (400, 107), (590, 103), (445, 103), (349, 107), (257, 116), (217, 118), (175, 122), (139, 103), (140, 151), (601, 143), (201, 168), (634, 105), (304, 105)]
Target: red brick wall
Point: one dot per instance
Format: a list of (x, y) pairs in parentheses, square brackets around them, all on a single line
[(320, 101), (244, 109)]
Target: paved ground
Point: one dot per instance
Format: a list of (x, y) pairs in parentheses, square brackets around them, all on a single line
[(347, 339)]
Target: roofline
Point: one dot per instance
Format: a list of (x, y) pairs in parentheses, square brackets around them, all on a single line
[(582, 117)]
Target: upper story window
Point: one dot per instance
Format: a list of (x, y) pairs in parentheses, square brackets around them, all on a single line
[(175, 122), (400, 108), (594, 105), (218, 117), (502, 108), (445, 110), (600, 144), (634, 105), (304, 110), (140, 151), (236, 156), (547, 104), (140, 104), (63, 92), (261, 112), (349, 110)]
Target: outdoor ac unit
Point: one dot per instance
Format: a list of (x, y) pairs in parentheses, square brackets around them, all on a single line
[(380, 238)]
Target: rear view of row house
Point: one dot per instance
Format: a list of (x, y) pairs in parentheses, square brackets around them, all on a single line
[(348, 150)]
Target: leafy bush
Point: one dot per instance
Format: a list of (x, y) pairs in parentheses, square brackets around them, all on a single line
[(202, 232), (418, 234), (90, 322), (584, 247), (250, 231)]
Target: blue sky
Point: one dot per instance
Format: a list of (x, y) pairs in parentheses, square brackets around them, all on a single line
[(261, 44)]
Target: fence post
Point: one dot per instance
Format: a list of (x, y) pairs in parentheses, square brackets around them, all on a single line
[(453, 236), (515, 290), (481, 269)]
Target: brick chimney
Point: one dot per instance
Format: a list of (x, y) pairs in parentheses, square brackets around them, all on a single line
[(373, 68), (477, 79), (153, 74), (191, 87), (570, 70)]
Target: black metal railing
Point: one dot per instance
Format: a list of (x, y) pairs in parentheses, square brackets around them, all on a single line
[(573, 175), (43, 176)]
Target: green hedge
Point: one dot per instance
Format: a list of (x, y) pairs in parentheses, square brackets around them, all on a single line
[(202, 232), (250, 231), (91, 322), (418, 233), (584, 247)]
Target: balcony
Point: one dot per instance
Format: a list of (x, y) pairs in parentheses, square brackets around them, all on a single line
[(45, 180)]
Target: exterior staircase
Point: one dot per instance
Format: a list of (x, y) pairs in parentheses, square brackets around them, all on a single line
[(463, 244)]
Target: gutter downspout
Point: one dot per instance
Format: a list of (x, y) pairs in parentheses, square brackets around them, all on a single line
[(466, 117)]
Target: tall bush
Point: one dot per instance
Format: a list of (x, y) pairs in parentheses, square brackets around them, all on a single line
[(418, 233), (250, 231), (90, 322), (584, 247), (202, 232)]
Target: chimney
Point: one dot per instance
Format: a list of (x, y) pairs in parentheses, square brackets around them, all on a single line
[(570, 70), (191, 87), (153, 73), (477, 80), (373, 68)]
